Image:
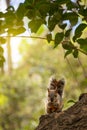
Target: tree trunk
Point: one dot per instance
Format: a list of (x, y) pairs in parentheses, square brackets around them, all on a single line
[(74, 118), (9, 58), (8, 2)]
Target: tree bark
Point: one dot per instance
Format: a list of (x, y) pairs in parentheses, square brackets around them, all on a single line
[(74, 118)]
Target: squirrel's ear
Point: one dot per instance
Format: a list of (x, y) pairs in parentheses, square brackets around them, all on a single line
[(48, 89)]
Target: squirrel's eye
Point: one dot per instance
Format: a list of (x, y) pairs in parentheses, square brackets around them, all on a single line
[(55, 95)]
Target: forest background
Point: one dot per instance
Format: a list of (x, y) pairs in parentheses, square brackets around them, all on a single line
[(26, 69)]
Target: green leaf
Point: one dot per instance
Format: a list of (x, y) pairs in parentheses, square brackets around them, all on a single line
[(29, 2), (16, 31), (75, 53), (19, 24), (31, 13), (67, 46), (51, 23), (1, 64), (83, 43), (71, 101), (20, 30), (57, 16), (10, 19), (62, 26), (2, 40), (2, 60), (70, 5), (83, 12), (54, 20), (43, 9), (67, 33), (9, 14), (49, 37), (53, 8), (67, 53), (1, 50), (21, 11), (1, 15), (34, 25), (71, 16), (58, 38), (78, 31)]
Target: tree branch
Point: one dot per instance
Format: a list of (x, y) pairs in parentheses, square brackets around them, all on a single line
[(74, 118), (44, 38)]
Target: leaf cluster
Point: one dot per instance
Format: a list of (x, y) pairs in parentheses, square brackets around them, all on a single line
[(51, 14)]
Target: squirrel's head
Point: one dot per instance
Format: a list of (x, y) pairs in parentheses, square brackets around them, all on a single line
[(53, 95)]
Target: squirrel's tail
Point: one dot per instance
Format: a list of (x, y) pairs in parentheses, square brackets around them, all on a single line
[(60, 86), (57, 84)]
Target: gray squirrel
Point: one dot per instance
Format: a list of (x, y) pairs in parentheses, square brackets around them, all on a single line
[(54, 98)]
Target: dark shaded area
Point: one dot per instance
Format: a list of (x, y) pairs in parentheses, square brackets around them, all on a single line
[(74, 118)]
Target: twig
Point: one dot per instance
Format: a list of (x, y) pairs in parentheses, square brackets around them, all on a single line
[(44, 38), (34, 37)]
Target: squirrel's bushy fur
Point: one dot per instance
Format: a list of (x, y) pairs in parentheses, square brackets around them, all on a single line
[(55, 92)]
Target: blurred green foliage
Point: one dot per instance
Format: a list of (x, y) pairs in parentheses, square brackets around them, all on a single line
[(23, 94)]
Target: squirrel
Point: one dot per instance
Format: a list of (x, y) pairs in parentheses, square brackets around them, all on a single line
[(55, 92)]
